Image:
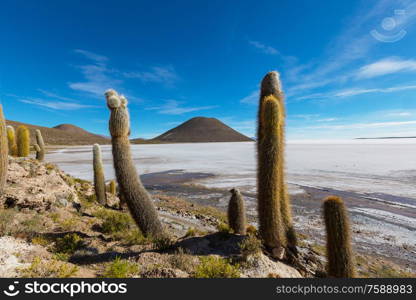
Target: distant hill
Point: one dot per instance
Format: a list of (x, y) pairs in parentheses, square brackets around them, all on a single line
[(199, 130), (64, 134)]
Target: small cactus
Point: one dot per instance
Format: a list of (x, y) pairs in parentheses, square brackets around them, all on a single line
[(23, 141), (99, 181), (130, 186), (11, 138), (338, 240), (112, 187), (4, 151), (40, 155), (237, 212)]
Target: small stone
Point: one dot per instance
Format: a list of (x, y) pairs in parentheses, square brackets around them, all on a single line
[(278, 253)]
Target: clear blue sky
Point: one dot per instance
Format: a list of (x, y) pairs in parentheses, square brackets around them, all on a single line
[(348, 67)]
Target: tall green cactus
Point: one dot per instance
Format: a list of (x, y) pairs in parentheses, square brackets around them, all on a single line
[(130, 186), (237, 212), (338, 239), (23, 141), (4, 151), (275, 217), (11, 138), (99, 181), (40, 155)]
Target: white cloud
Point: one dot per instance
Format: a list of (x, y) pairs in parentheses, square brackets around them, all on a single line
[(91, 55), (56, 105), (264, 48), (386, 66), (172, 107), (400, 114), (253, 98), (55, 96), (364, 125), (356, 91), (165, 75), (327, 120), (98, 77), (352, 45)]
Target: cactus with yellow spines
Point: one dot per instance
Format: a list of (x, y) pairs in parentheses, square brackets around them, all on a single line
[(40, 155), (237, 212), (112, 187), (271, 227), (99, 180), (130, 186), (275, 218), (338, 239), (4, 150), (11, 138), (23, 141)]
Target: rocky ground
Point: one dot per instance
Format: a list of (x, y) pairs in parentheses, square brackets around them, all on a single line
[(52, 226)]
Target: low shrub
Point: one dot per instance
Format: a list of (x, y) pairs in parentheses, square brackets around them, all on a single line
[(41, 269), (216, 267), (251, 245), (120, 268), (68, 244)]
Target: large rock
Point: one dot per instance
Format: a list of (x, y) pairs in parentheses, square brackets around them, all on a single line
[(261, 266), (35, 185)]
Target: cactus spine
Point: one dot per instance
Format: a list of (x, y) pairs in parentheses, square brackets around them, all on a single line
[(23, 141), (237, 212), (11, 138), (130, 186), (40, 155), (338, 240), (275, 218), (4, 151), (99, 181)]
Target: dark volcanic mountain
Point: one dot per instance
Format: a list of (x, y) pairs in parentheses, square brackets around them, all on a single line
[(64, 134), (201, 130)]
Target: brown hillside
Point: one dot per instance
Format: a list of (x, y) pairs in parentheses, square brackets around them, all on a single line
[(201, 130), (64, 134)]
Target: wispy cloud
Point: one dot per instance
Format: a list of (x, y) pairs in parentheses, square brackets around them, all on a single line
[(165, 75), (386, 66), (327, 120), (173, 107), (98, 77), (252, 99), (356, 91), (54, 96), (352, 45), (400, 114), (305, 116), (91, 55), (264, 48), (56, 105), (364, 125)]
